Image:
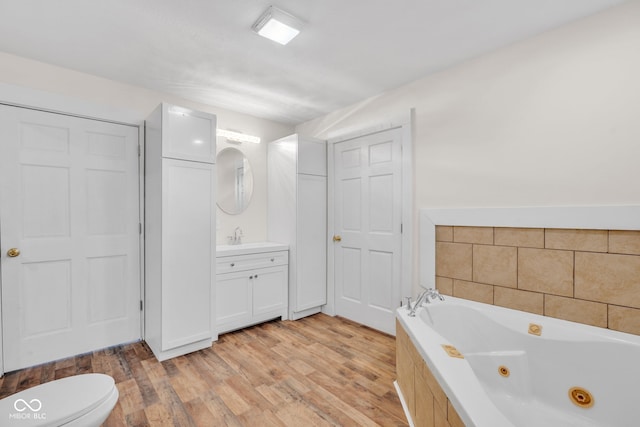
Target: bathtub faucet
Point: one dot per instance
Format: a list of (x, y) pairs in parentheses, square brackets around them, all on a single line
[(424, 297)]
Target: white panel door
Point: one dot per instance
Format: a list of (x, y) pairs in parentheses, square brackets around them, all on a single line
[(368, 220), (69, 203)]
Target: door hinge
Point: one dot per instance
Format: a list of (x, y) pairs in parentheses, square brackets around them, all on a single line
[(141, 306), (139, 151), (401, 228), (140, 228)]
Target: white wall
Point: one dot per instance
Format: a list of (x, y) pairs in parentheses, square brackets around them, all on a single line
[(554, 120), (134, 104)]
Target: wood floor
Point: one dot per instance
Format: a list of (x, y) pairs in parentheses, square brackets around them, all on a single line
[(317, 371)]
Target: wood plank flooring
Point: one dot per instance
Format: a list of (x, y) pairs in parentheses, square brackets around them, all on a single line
[(317, 371)]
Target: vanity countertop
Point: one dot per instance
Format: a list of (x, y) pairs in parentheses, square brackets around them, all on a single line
[(249, 248)]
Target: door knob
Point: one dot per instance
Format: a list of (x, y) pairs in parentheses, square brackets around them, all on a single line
[(337, 238), (13, 252)]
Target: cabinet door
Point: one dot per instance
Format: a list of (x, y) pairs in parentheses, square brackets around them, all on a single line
[(269, 289), (233, 300), (311, 248), (187, 251), (188, 134), (312, 156)]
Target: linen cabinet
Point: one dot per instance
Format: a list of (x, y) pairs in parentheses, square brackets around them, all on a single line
[(297, 216), (179, 230)]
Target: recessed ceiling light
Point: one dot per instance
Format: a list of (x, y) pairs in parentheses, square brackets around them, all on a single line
[(277, 25)]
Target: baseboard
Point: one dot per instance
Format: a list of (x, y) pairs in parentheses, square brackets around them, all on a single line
[(295, 315), (404, 404)]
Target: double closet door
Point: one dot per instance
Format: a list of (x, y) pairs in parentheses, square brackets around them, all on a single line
[(69, 235)]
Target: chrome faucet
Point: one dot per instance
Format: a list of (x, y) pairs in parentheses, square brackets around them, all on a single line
[(422, 298), (236, 239)]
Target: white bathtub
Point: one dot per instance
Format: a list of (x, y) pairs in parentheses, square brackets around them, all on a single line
[(542, 369)]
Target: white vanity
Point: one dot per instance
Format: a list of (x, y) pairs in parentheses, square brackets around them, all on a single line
[(251, 284)]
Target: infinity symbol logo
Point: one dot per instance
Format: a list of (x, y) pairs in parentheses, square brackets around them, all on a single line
[(22, 405)]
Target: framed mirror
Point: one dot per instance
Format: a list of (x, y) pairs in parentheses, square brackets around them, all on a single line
[(235, 181)]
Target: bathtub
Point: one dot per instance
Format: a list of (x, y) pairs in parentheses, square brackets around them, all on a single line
[(521, 369)]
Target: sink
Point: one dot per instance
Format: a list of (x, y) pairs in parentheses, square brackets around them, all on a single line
[(249, 248)]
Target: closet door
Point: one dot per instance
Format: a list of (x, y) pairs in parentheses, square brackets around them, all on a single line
[(188, 209), (69, 214), (368, 212)]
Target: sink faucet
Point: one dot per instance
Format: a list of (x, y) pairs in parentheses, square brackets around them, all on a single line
[(236, 239), (424, 297)]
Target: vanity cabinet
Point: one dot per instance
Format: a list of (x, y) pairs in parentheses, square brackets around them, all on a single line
[(250, 287), (297, 215), (179, 230)]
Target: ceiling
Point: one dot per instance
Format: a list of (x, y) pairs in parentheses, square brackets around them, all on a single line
[(205, 51)]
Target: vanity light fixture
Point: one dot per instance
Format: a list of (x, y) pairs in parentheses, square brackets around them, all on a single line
[(277, 25), (237, 136)]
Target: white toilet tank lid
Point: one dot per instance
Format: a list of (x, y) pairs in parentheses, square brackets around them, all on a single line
[(56, 402)]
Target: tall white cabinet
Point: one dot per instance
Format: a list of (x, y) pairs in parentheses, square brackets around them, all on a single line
[(180, 239), (297, 216)]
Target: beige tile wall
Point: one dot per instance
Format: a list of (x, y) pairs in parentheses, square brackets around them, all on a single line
[(586, 276)]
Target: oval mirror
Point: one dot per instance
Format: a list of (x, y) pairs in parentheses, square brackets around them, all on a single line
[(235, 181)]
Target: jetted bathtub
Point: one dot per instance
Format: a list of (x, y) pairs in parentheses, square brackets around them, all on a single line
[(521, 369)]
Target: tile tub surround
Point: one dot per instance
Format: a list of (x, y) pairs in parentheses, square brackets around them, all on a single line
[(425, 400), (584, 276)]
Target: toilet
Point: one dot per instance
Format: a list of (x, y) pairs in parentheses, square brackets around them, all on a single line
[(79, 401)]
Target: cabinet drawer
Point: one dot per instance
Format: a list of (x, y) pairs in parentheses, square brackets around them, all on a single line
[(247, 262)]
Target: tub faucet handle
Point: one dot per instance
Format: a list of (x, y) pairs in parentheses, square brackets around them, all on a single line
[(433, 293), (408, 303)]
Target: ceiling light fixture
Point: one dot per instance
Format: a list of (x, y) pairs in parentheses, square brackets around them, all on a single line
[(277, 25), (237, 136)]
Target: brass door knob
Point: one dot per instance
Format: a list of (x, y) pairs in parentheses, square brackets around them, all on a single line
[(13, 252), (337, 238)]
